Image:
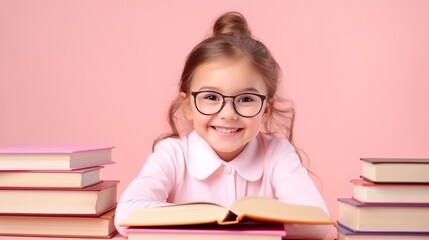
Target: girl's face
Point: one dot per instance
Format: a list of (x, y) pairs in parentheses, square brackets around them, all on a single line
[(226, 131)]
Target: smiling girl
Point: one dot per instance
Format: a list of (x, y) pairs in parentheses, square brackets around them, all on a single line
[(228, 94)]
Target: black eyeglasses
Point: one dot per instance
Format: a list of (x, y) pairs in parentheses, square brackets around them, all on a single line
[(246, 104)]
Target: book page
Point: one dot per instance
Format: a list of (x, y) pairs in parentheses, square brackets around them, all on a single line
[(271, 210), (181, 214)]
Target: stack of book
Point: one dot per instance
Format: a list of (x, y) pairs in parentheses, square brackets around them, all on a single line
[(390, 201), (56, 191), (248, 218)]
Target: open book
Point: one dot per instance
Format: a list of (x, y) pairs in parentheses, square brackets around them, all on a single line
[(248, 208)]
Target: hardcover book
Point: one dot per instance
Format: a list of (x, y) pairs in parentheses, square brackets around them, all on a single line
[(344, 233), (53, 157), (252, 231), (93, 200), (58, 226), (365, 191), (50, 178), (392, 217), (400, 170)]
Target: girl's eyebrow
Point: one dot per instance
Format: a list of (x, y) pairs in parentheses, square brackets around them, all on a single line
[(210, 88), (251, 90)]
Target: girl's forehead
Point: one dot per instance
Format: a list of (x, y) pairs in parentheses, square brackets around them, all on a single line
[(227, 75)]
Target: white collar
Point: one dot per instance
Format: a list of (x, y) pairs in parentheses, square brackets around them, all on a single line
[(203, 160)]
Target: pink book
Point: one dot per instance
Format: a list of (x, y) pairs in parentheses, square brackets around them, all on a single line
[(76, 178), (210, 232), (92, 200), (366, 191), (54, 157)]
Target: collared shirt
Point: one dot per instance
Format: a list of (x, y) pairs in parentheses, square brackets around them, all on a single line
[(189, 170)]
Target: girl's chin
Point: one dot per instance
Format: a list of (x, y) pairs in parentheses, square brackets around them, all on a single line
[(227, 150), (228, 154)]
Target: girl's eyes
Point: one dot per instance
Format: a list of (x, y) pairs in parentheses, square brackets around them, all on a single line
[(238, 99), (246, 98), (212, 97)]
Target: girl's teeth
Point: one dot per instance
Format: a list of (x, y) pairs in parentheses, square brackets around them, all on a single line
[(226, 130)]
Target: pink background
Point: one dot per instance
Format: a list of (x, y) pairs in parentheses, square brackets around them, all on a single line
[(104, 72)]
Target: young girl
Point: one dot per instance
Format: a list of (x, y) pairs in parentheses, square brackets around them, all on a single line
[(228, 93)]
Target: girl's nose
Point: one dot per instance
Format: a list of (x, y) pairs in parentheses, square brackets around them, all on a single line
[(228, 111)]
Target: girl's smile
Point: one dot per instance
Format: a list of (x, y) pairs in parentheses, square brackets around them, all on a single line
[(226, 130)]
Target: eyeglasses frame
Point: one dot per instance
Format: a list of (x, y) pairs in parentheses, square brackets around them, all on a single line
[(195, 94)]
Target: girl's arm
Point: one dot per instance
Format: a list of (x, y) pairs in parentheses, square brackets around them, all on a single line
[(152, 185), (293, 184)]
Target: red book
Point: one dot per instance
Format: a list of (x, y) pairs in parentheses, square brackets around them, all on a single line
[(53, 157)]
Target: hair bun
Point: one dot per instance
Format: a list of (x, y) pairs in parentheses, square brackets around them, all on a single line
[(231, 23)]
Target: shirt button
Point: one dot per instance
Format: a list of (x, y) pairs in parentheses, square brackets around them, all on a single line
[(228, 169)]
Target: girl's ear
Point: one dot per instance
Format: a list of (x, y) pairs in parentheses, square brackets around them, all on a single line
[(266, 114), (186, 105)]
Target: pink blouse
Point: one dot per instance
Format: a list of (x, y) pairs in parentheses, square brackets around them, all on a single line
[(189, 170)]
